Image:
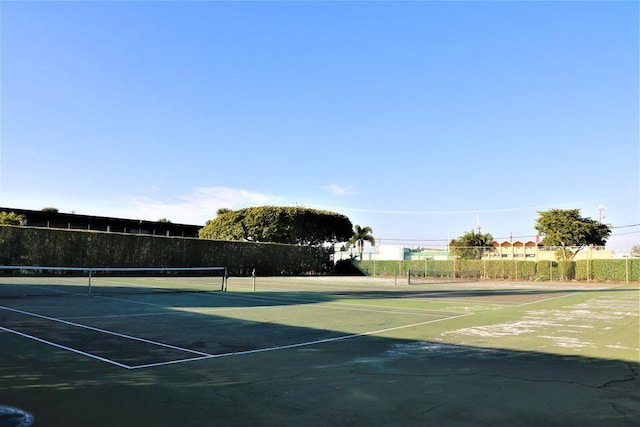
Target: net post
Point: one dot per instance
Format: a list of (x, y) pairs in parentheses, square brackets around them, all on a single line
[(225, 277), (408, 277), (253, 276), (89, 290)]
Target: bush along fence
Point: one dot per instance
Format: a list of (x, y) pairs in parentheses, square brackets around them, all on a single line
[(601, 270), (28, 246)]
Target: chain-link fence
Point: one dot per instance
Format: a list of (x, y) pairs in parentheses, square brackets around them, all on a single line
[(589, 267)]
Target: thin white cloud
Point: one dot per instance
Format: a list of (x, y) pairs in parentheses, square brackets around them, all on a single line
[(470, 211), (341, 190), (197, 206)]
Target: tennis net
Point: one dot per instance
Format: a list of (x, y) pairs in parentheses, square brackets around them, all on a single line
[(419, 276), (26, 281)]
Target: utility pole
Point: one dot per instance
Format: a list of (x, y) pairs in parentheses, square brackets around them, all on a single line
[(601, 216)]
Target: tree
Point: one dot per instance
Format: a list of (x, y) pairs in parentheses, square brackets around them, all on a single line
[(567, 229), (293, 225), (361, 235), (635, 251), (49, 209), (222, 211), (11, 218), (471, 245)]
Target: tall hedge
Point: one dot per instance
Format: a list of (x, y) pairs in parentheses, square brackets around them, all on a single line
[(619, 270), (604, 270), (73, 248)]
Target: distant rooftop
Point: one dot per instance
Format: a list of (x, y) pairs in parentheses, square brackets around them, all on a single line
[(52, 219)]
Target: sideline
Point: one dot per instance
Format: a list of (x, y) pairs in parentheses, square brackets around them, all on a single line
[(91, 328), (302, 344), (200, 355)]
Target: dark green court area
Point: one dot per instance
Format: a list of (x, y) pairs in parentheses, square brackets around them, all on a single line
[(327, 351)]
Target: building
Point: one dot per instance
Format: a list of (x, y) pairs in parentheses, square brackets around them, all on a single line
[(53, 219), (505, 250), (532, 251), (389, 253)]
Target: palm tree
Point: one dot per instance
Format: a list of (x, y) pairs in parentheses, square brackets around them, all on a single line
[(12, 218), (361, 235), (471, 245)]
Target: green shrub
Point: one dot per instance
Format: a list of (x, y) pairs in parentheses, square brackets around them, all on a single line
[(566, 270), (597, 270), (611, 269)]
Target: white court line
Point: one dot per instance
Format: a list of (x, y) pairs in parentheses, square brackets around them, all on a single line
[(546, 299), (172, 362), (64, 347), (327, 304), (450, 301), (107, 316), (130, 301), (420, 296), (332, 305), (343, 337), (91, 328), (302, 344), (202, 355)]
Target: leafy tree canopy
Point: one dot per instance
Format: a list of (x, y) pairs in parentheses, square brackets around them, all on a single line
[(223, 211), (471, 245), (566, 228), (293, 225), (11, 218)]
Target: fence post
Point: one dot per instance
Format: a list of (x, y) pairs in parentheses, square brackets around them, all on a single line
[(626, 269)]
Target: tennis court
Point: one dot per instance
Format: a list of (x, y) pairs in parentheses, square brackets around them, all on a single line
[(324, 351)]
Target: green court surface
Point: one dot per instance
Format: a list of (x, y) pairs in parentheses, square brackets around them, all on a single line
[(327, 351)]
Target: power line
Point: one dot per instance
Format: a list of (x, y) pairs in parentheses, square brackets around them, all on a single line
[(472, 211), (395, 239), (629, 232)]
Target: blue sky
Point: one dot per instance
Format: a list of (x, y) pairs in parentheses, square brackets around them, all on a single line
[(414, 118)]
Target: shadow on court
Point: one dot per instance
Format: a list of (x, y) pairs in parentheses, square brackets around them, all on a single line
[(367, 381), (363, 380)]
